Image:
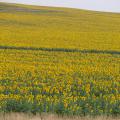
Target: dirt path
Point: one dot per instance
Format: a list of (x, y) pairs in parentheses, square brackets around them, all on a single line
[(17, 116)]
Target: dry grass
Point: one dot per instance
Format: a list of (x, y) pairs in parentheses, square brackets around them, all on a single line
[(22, 116)]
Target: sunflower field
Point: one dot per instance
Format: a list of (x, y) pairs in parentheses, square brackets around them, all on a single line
[(59, 60)]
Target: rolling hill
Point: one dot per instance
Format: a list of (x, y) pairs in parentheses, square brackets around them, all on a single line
[(47, 27)]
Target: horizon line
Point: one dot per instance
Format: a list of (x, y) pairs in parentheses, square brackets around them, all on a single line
[(104, 11)]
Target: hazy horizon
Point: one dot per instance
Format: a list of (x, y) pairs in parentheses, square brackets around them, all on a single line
[(101, 5)]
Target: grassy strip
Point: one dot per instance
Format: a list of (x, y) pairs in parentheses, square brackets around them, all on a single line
[(61, 50)]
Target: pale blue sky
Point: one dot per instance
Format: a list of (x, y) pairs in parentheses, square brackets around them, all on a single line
[(98, 5)]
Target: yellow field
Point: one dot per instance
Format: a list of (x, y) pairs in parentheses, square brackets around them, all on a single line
[(59, 60), (58, 28)]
